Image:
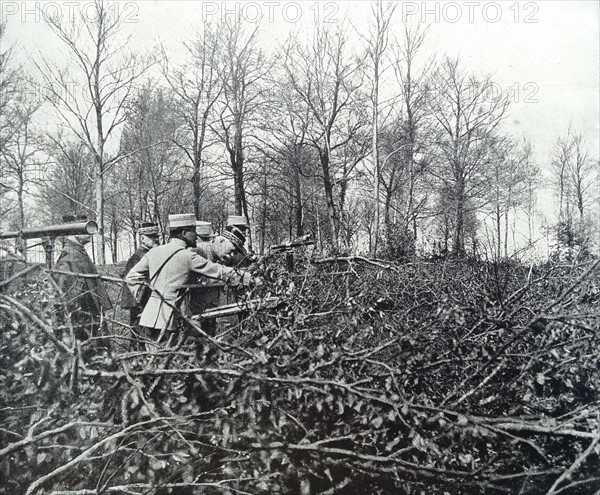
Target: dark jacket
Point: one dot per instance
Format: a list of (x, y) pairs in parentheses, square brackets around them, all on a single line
[(81, 294), (127, 299)]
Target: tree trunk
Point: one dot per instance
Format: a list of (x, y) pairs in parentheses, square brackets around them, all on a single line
[(386, 211), (236, 154), (196, 185), (298, 209), (22, 247), (115, 239), (199, 135), (446, 234), (375, 152), (99, 153), (506, 233), (263, 216), (580, 202), (458, 241), (329, 197), (100, 212), (498, 232)]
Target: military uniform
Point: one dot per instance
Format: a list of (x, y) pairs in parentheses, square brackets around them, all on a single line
[(148, 232), (236, 230), (84, 298), (170, 282), (208, 293), (207, 250), (127, 300)]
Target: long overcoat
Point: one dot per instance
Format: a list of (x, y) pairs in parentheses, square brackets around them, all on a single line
[(84, 297), (168, 287)]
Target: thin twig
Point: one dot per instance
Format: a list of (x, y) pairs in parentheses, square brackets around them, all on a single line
[(569, 472)]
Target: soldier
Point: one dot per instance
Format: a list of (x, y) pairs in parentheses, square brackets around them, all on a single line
[(148, 233), (238, 221), (84, 298), (238, 227), (205, 238), (222, 248), (208, 293), (170, 267)]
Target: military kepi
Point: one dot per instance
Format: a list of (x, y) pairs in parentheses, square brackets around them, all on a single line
[(74, 218), (182, 220), (148, 228), (237, 238), (204, 229), (237, 221)]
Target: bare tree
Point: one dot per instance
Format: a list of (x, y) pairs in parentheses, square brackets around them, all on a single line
[(152, 180), (10, 96), (67, 184), (377, 44), (414, 78), (245, 68), (468, 111), (21, 167), (510, 185), (522, 185), (19, 139), (582, 177), (347, 176), (398, 183), (531, 179), (560, 162), (196, 85), (287, 166), (575, 174), (325, 80), (21, 162), (108, 69)]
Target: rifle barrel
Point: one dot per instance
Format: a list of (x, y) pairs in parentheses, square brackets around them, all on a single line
[(290, 245)]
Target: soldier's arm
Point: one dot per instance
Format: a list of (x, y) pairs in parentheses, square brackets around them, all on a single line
[(202, 266), (137, 276)]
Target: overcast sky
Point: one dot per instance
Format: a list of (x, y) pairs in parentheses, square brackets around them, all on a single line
[(545, 53)]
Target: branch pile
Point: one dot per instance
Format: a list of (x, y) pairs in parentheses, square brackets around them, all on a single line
[(454, 377)]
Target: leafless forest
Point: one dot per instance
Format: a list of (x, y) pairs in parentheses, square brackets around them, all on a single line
[(418, 347)]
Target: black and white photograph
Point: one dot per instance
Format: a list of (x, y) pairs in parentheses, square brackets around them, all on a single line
[(299, 247)]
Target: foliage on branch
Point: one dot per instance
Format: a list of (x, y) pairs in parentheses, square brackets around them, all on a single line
[(417, 378)]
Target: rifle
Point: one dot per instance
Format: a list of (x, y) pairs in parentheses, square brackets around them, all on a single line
[(240, 307), (290, 245), (253, 305)]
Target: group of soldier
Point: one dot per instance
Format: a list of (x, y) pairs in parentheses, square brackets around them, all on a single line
[(157, 277)]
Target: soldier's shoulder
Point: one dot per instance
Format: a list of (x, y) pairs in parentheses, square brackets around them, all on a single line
[(159, 250), (166, 250)]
